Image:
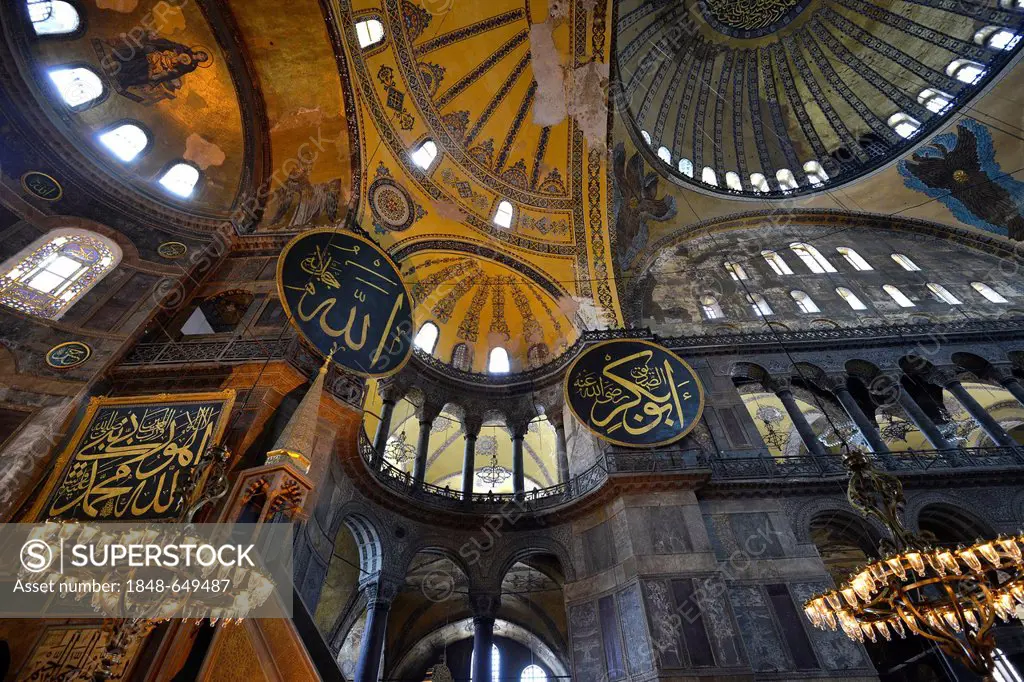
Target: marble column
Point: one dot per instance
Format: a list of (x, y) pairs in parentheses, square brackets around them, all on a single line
[(484, 611), (380, 439), (419, 469), (472, 430), (866, 425), (561, 452), (1013, 385), (371, 650), (987, 423), (803, 427), (922, 421), (518, 475)]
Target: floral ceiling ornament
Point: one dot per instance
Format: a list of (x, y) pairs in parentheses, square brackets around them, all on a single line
[(636, 201)]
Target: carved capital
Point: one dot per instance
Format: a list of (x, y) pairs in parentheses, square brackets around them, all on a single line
[(777, 384), (484, 604), (833, 382), (472, 424), (428, 410), (941, 376), (381, 590), (1003, 374)]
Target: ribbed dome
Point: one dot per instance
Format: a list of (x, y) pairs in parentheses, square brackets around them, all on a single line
[(799, 94)]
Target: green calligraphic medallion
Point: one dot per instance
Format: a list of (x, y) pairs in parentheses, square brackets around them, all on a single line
[(41, 185), (347, 298), (68, 354), (634, 393)]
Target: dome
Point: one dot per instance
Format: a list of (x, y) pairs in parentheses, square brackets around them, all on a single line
[(792, 96)]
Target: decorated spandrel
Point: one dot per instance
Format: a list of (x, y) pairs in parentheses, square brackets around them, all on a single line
[(347, 298), (132, 458), (634, 393)]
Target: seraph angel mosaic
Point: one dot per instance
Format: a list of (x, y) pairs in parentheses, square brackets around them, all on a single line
[(960, 170), (636, 201)]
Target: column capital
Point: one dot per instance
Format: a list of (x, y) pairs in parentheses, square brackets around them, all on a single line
[(427, 411), (390, 391), (941, 376), (519, 425), (1002, 373), (777, 384), (484, 604), (472, 425), (833, 382), (381, 590)]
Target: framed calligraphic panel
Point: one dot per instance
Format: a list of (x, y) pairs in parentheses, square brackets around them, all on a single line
[(347, 297), (130, 458), (634, 393)]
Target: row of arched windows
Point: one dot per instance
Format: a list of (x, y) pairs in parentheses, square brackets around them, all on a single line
[(815, 261), (80, 87), (462, 356), (964, 70), (805, 304)]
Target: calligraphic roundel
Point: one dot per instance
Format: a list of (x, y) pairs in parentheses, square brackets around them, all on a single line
[(347, 298), (634, 393)]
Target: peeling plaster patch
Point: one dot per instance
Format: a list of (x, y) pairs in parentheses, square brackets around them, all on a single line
[(300, 118), (202, 152), (549, 105), (588, 102), (587, 316), (449, 211), (123, 6), (559, 9)]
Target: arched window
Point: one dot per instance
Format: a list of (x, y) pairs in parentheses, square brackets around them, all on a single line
[(497, 362), (812, 258), (47, 277), (646, 135), (369, 32), (997, 38), (854, 259), (424, 155), (760, 306), (53, 17), (905, 126), (462, 357), (503, 216), (988, 292), (709, 306), (78, 86), (533, 673), (126, 141), (965, 71), (905, 262), (665, 155), (898, 296), (850, 298), (732, 181), (686, 167), (1011, 4), (787, 181), (774, 260), (495, 664), (760, 183), (816, 175), (934, 100), (804, 302), (736, 270), (708, 177), (426, 338), (180, 179), (942, 293)]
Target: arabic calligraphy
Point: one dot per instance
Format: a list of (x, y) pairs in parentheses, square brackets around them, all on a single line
[(42, 186), (132, 461), (68, 354), (634, 393), (348, 299), (749, 15)]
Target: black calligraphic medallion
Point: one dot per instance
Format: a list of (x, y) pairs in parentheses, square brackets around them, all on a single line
[(347, 297), (68, 354), (634, 393), (42, 186)]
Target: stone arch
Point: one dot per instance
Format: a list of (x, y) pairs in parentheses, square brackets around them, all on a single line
[(950, 499), (367, 530), (524, 547), (825, 505), (953, 522)]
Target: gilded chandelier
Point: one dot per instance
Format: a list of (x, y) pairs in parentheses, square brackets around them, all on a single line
[(949, 596)]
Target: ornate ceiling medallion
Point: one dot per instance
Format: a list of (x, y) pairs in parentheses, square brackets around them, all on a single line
[(393, 209), (745, 19)]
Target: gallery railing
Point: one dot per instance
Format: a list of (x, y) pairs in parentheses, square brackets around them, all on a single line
[(716, 467)]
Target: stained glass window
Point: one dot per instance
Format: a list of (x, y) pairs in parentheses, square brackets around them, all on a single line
[(50, 275)]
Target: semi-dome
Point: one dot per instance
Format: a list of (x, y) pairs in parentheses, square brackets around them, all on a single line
[(788, 97)]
